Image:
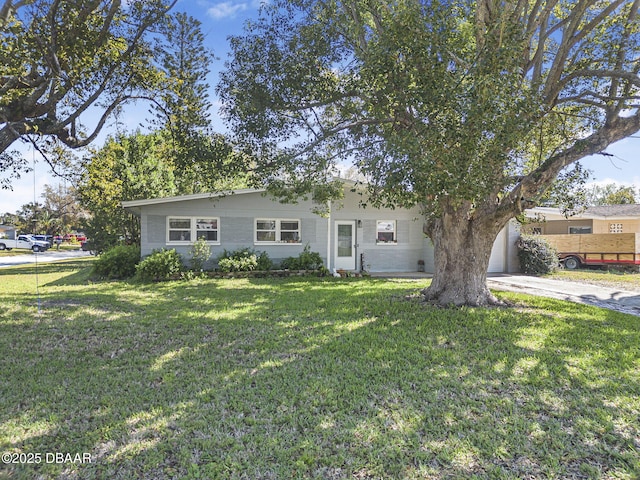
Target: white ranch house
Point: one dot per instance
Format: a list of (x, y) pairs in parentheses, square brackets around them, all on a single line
[(350, 237)]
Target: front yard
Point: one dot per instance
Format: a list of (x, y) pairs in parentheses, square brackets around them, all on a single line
[(308, 378)]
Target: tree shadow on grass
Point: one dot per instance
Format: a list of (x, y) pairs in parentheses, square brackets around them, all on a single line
[(309, 378)]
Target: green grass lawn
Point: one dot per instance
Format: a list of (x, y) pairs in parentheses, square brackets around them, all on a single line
[(309, 378)]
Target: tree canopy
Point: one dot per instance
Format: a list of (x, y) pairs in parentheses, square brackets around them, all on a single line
[(66, 62), (469, 109), (128, 167), (612, 194)]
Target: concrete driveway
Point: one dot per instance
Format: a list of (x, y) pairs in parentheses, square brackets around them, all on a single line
[(611, 298), (44, 257)]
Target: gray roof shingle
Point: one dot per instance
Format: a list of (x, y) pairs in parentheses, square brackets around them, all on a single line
[(631, 210)]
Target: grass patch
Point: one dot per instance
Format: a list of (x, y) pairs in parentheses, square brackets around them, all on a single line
[(310, 378)]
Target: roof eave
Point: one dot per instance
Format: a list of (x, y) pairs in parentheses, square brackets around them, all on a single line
[(131, 204)]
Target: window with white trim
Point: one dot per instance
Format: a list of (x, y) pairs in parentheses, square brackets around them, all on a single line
[(207, 228), (386, 232), (185, 230), (615, 228), (277, 230)]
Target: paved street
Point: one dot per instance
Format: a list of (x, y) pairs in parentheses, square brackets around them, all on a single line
[(48, 256)]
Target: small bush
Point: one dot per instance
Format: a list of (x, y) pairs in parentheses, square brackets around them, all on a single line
[(536, 255), (244, 260), (307, 260), (200, 253), (160, 265), (118, 262), (264, 262), (290, 263)]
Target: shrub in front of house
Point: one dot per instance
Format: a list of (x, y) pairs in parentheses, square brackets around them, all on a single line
[(160, 265), (536, 255), (200, 254), (264, 262), (307, 260), (244, 260), (118, 262)]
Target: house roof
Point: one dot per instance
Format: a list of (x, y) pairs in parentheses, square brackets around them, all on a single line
[(182, 198), (632, 210), (593, 212), (134, 205)]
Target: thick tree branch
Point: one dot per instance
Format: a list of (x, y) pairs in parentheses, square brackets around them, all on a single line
[(532, 186), (32, 102)]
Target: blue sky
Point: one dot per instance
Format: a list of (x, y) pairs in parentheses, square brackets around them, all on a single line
[(221, 19)]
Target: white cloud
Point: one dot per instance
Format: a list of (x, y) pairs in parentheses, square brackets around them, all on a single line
[(226, 10)]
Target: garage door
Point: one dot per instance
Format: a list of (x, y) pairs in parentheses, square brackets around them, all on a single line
[(497, 259)]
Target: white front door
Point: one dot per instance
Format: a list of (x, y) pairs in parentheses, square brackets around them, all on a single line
[(345, 245)]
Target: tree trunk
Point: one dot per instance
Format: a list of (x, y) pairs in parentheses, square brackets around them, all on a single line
[(462, 248)]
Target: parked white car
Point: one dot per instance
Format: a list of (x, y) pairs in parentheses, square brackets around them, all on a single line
[(27, 242)]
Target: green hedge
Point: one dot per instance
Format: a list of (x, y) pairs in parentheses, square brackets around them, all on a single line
[(118, 262), (160, 265)]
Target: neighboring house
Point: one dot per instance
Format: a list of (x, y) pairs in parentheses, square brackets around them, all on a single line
[(600, 235), (598, 219), (350, 237), (7, 231)]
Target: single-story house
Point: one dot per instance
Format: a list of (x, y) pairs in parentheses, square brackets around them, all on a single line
[(7, 231), (600, 235), (349, 237), (597, 219)]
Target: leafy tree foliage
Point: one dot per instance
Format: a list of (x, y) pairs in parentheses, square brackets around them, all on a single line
[(183, 105), (613, 194), (127, 168), (138, 166), (181, 157), (59, 213), (202, 160), (469, 109), (62, 60), (65, 211)]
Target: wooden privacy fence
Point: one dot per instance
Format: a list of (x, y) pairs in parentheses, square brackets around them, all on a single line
[(621, 248)]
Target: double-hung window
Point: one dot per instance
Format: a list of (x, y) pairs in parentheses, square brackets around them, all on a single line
[(386, 232), (186, 230), (276, 230), (179, 230)]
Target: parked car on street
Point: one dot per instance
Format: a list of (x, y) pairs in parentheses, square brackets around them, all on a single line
[(45, 238), (27, 242)]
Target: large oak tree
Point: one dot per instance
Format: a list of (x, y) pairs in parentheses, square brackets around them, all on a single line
[(469, 109)]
